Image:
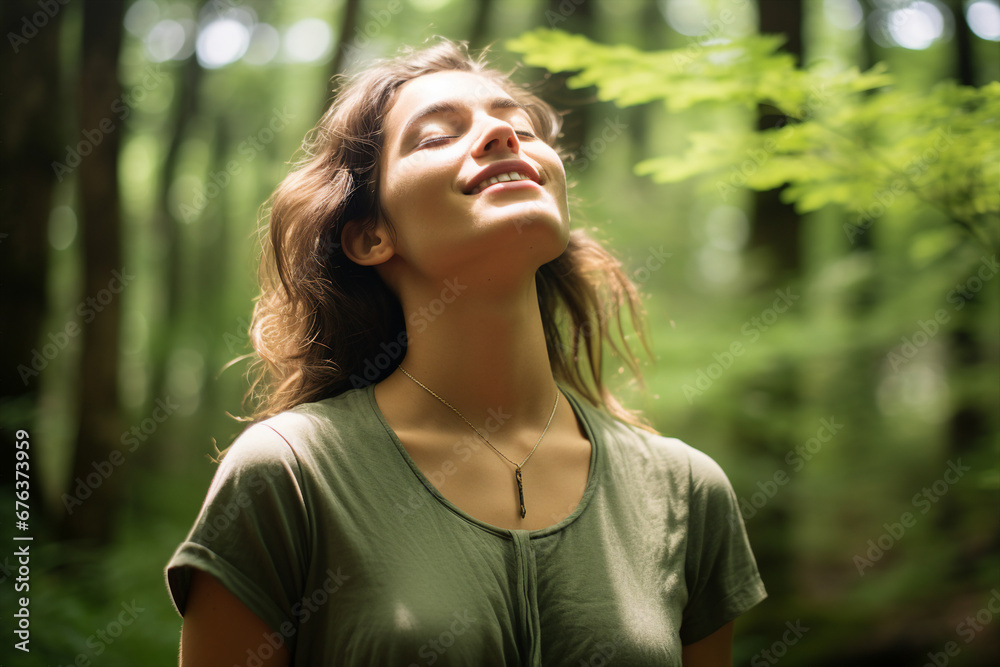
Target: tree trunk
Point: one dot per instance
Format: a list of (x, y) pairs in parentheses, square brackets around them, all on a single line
[(480, 24), (167, 230), (775, 232), (216, 255), (971, 426), (776, 225), (641, 117), (29, 143), (100, 423), (965, 63), (575, 17), (344, 39)]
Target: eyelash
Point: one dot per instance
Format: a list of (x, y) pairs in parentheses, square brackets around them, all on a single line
[(435, 140)]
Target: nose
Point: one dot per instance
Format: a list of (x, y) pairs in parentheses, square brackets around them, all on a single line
[(498, 137)]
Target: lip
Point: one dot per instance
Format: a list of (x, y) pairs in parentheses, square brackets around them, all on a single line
[(502, 167)]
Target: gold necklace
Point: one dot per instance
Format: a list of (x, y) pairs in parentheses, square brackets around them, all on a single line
[(517, 467)]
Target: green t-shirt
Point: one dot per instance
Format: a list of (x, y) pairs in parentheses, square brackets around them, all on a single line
[(320, 523)]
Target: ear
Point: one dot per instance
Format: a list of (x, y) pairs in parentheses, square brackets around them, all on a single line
[(366, 247)]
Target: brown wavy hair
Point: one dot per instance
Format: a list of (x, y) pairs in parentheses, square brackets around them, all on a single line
[(323, 324)]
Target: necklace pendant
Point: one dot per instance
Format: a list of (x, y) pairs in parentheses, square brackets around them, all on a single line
[(520, 490), (517, 468)]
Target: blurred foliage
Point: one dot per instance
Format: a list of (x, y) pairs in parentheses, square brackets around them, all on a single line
[(838, 144)]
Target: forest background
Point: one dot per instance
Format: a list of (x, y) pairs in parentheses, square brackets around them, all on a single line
[(805, 192)]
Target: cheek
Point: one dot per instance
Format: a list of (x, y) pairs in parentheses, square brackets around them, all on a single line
[(553, 166), (416, 186), (559, 175)]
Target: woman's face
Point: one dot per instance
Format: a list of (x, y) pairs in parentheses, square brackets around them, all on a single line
[(451, 142)]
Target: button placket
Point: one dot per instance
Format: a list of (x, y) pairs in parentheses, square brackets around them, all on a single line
[(527, 597)]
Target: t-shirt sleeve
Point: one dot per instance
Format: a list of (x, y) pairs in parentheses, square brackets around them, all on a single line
[(721, 572), (252, 532)]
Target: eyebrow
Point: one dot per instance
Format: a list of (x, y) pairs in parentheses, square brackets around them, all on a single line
[(449, 106)]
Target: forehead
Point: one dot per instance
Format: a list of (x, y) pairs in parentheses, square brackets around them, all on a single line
[(464, 88)]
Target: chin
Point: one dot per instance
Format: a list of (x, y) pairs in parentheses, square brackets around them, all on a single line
[(537, 223), (543, 239)]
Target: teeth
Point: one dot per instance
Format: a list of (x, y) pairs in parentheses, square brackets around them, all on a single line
[(499, 178)]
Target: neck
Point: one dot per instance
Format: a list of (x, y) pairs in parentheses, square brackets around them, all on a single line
[(482, 352)]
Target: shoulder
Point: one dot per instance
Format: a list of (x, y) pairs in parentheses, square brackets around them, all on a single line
[(646, 444), (303, 444), (703, 474), (287, 436), (258, 459)]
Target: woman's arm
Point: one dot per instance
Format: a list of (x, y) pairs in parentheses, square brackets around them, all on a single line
[(220, 630), (714, 650)]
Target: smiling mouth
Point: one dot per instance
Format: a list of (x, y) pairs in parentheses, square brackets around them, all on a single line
[(508, 177)]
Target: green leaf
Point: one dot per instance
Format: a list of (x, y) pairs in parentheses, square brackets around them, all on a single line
[(853, 141)]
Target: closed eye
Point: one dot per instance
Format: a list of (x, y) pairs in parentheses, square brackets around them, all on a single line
[(435, 140)]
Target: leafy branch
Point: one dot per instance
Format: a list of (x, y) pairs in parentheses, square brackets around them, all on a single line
[(849, 138)]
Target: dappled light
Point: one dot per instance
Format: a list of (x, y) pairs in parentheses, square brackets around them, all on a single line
[(984, 19), (308, 40), (222, 41)]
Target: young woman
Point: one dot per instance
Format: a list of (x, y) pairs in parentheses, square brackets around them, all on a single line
[(437, 474)]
